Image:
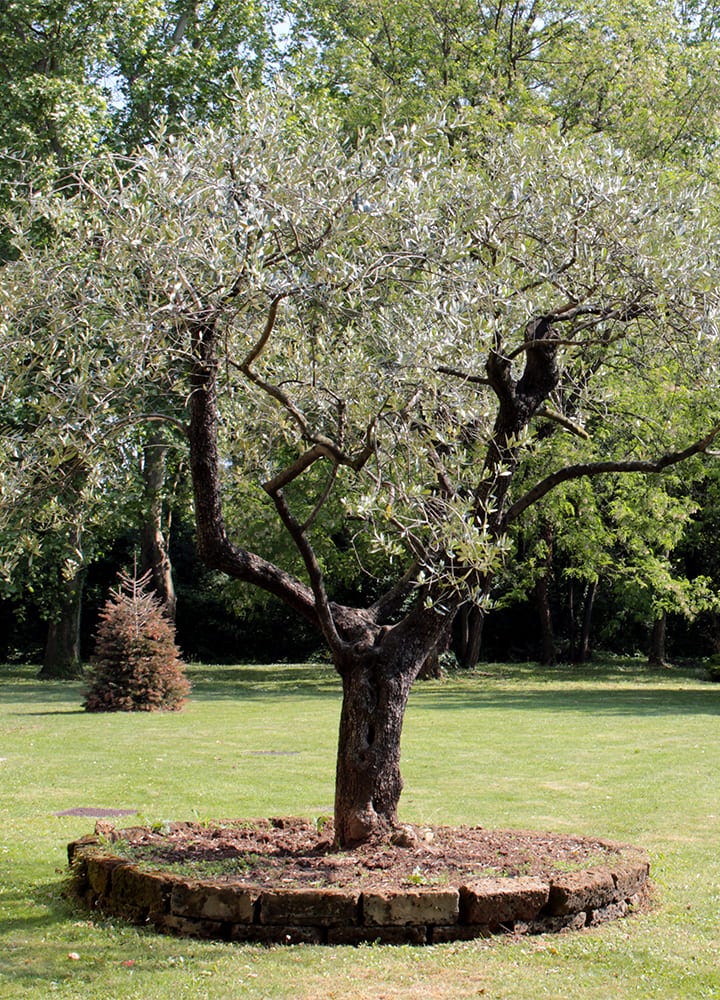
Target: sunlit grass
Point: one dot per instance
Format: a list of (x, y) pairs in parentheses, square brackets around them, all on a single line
[(614, 750)]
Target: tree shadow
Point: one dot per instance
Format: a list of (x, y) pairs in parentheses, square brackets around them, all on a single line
[(630, 701), (310, 680)]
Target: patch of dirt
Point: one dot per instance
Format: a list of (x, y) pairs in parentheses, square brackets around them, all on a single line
[(292, 852)]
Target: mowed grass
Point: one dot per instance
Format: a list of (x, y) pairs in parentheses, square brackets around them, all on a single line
[(614, 750)]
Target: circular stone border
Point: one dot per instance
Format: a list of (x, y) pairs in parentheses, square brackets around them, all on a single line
[(474, 908)]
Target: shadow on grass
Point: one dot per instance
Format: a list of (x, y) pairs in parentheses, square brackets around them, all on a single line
[(619, 687), (209, 683), (37, 906), (630, 701), (307, 680)]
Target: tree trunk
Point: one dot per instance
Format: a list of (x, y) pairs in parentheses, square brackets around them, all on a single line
[(572, 627), (657, 653), (154, 545), (542, 596), (62, 649), (368, 782), (376, 686), (589, 604), (431, 669), (715, 631), (548, 653), (470, 619)]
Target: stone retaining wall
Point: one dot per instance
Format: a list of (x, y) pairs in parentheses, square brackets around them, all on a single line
[(235, 912)]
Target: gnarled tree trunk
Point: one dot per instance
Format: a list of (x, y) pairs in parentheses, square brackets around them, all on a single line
[(376, 686), (368, 782)]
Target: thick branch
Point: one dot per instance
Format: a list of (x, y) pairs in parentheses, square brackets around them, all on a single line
[(458, 373), (292, 472), (296, 532), (623, 314), (265, 336), (214, 546), (571, 472), (321, 501), (389, 603)]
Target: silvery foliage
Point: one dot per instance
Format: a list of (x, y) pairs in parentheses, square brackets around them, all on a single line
[(359, 287)]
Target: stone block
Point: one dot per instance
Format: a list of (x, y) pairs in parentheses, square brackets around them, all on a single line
[(211, 901), (137, 894), (412, 907), (212, 930), (552, 925), (586, 890), (613, 911), (458, 932), (99, 872), (496, 901), (324, 907), (277, 934), (631, 877), (408, 934), (80, 847)]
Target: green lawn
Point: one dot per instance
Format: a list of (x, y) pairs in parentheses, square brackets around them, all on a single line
[(615, 750)]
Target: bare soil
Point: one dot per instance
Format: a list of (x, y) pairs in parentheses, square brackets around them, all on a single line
[(292, 852)]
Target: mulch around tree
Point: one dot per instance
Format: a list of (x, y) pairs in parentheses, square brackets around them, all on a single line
[(295, 853)]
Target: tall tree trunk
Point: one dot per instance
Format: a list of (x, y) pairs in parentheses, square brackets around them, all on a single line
[(368, 782), (589, 603), (658, 634), (572, 623), (542, 596), (714, 631), (548, 654), (62, 649), (153, 540), (468, 638)]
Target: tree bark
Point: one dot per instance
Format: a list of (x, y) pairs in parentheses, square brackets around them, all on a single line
[(542, 596), (62, 649), (153, 537), (658, 635), (468, 641), (582, 648), (368, 781), (548, 654), (376, 686)]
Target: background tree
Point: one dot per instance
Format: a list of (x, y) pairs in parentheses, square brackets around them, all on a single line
[(642, 73)]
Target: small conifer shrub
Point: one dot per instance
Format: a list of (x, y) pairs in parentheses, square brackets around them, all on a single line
[(136, 665)]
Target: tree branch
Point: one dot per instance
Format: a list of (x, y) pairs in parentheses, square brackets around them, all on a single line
[(297, 468), (214, 546), (297, 533), (564, 421), (321, 501), (260, 345), (474, 379), (570, 472)]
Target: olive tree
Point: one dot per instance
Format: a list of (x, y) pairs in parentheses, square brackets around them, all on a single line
[(382, 322)]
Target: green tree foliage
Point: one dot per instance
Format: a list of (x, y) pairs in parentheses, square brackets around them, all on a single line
[(136, 664), (644, 73), (183, 61), (52, 101)]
